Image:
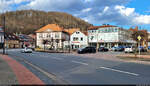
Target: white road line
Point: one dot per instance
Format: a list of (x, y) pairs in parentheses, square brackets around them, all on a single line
[(80, 63), (57, 58), (119, 71)]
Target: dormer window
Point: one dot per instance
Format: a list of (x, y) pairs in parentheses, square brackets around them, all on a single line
[(77, 32), (48, 30)]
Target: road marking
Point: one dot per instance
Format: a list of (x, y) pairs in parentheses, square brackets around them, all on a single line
[(80, 63), (119, 71), (56, 79), (57, 58)]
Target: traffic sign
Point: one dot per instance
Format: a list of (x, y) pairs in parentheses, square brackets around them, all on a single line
[(139, 37)]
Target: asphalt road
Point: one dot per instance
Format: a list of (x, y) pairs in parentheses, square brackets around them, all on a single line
[(79, 70)]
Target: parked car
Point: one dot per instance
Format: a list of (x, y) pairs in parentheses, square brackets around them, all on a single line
[(142, 49), (113, 48), (104, 49), (26, 50), (148, 47), (129, 49), (119, 48), (88, 49)]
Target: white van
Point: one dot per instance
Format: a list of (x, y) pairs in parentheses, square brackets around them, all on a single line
[(129, 49)]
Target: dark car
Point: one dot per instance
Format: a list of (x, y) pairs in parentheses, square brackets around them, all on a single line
[(88, 49), (142, 49), (104, 49)]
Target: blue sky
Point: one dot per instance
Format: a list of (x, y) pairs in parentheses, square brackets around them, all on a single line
[(141, 6), (124, 13)]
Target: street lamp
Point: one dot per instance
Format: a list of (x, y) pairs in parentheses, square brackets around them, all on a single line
[(4, 31)]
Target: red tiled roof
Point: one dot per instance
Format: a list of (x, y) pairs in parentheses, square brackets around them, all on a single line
[(53, 27), (71, 30)]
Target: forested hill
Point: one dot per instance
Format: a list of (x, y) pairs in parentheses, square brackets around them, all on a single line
[(27, 21)]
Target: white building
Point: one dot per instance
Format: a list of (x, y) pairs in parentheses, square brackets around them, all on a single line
[(78, 39), (54, 35), (109, 36)]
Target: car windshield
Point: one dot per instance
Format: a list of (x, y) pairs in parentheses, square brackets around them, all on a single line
[(28, 48)]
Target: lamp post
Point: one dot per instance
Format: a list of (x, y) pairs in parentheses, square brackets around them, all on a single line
[(4, 52)]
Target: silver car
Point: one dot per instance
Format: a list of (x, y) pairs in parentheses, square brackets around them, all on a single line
[(26, 50)]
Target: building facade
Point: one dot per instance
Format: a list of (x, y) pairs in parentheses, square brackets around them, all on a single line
[(109, 36), (78, 39), (12, 41), (53, 34)]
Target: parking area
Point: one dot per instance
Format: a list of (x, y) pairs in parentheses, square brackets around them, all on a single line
[(110, 55)]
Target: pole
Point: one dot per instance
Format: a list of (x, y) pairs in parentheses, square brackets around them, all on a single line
[(97, 45), (4, 34), (139, 49), (69, 41)]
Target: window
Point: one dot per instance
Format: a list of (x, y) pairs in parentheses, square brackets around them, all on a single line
[(76, 46), (105, 30), (56, 36), (77, 32), (92, 37), (112, 29), (40, 36), (116, 29), (92, 31), (75, 39), (109, 30), (81, 38), (48, 35), (99, 31)]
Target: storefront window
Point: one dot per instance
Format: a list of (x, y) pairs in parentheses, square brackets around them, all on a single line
[(116, 29)]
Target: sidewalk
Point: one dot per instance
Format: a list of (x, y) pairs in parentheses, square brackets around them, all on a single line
[(6, 74), (14, 73)]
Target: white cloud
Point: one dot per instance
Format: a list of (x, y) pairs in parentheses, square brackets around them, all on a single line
[(105, 9), (125, 11), (142, 19), (93, 11), (6, 5), (86, 10)]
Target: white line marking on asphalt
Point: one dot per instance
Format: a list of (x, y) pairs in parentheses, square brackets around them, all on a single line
[(49, 75), (119, 71), (80, 63), (57, 58)]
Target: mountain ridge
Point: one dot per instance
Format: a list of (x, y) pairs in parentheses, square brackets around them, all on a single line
[(28, 21)]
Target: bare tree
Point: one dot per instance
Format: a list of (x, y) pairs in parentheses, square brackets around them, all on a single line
[(44, 42)]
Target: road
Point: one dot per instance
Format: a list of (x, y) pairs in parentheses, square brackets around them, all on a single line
[(78, 70)]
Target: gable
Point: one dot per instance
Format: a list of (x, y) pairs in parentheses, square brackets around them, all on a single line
[(78, 33)]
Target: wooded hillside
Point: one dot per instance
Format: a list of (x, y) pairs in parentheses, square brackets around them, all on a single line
[(27, 21)]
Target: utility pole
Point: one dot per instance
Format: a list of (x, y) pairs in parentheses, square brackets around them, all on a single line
[(4, 34), (68, 32)]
